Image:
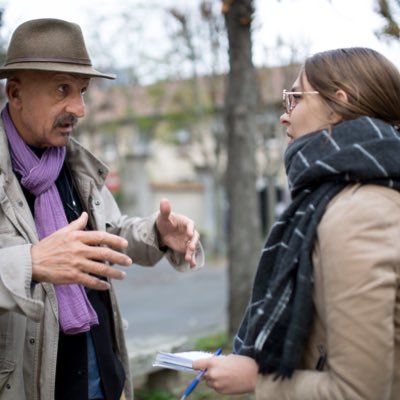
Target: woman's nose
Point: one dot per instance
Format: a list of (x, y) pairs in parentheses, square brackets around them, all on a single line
[(284, 119)]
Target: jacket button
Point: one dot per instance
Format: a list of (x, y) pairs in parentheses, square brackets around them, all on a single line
[(97, 202), (32, 341), (80, 372), (8, 386)]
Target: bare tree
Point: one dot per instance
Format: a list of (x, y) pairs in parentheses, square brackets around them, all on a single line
[(389, 10), (2, 55), (241, 99)]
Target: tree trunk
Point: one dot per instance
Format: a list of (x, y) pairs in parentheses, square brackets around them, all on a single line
[(244, 231)]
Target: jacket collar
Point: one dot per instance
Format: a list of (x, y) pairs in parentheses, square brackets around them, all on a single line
[(80, 160), (5, 159)]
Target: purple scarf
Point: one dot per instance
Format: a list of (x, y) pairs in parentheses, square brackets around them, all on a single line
[(76, 314)]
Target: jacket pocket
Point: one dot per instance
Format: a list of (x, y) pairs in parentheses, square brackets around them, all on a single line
[(9, 235), (6, 368)]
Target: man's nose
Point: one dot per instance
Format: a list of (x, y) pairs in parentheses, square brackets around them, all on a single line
[(76, 106)]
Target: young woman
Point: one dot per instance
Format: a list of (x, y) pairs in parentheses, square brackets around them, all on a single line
[(323, 321)]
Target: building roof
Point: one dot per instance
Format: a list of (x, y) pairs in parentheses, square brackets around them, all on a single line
[(116, 102)]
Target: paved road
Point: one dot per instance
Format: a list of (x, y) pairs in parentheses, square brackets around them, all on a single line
[(163, 301)]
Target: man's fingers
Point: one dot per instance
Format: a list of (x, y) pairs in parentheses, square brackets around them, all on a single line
[(77, 225), (84, 272), (100, 238), (92, 238), (102, 270), (105, 254), (165, 208), (191, 244), (93, 282)]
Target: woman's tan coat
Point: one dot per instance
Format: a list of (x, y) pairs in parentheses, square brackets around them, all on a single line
[(357, 300)]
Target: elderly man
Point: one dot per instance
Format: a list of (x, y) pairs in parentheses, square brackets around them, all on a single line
[(61, 230)]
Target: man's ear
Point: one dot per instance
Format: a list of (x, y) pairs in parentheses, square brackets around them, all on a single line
[(13, 92)]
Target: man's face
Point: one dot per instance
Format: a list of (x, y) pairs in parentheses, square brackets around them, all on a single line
[(45, 106)]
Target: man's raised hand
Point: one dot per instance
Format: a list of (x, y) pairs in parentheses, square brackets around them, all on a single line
[(73, 255)]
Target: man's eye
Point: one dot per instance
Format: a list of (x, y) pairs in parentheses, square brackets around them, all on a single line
[(297, 96), (83, 91), (62, 88)]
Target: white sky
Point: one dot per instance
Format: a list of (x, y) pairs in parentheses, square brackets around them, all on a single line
[(309, 25), (323, 24)]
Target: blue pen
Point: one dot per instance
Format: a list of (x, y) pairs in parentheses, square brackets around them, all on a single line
[(196, 380)]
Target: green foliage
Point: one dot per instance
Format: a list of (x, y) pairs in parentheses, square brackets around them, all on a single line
[(153, 394), (202, 392), (213, 342), (146, 124)]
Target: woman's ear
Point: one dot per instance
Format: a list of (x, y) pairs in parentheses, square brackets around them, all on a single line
[(334, 117), (342, 95)]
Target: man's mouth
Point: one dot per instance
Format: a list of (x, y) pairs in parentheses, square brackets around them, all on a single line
[(66, 127), (66, 122)]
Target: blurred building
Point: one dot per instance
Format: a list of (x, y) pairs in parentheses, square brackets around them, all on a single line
[(168, 140)]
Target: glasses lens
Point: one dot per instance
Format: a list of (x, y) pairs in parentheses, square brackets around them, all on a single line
[(288, 101), (285, 101)]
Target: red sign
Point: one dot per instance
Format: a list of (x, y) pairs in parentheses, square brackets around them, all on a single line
[(113, 182)]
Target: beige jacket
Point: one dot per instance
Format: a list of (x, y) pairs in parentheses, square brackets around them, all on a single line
[(28, 313), (357, 299)]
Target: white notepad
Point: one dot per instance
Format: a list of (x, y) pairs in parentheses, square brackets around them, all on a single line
[(180, 361)]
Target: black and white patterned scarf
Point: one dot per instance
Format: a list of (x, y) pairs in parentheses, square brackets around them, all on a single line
[(319, 165)]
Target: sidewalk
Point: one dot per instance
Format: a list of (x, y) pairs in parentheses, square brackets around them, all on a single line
[(142, 353), (166, 310)]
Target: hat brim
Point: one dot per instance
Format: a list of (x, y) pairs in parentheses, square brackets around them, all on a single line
[(84, 70)]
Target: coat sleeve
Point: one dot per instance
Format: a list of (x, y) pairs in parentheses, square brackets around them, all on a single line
[(141, 235), (358, 246), (15, 282)]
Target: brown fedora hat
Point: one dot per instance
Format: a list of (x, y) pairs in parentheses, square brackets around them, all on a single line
[(49, 45)]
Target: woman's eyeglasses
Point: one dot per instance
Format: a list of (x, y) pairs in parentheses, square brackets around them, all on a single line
[(290, 99)]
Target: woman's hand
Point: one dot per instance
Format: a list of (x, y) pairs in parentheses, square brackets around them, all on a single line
[(232, 374)]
